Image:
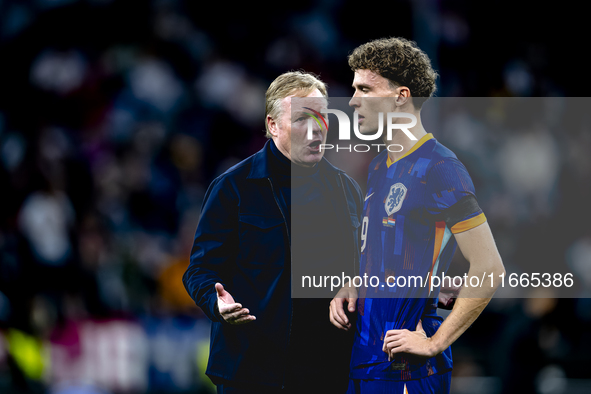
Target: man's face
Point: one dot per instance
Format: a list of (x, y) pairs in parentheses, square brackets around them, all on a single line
[(292, 129), (370, 87)]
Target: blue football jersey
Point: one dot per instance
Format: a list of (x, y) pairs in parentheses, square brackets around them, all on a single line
[(412, 208)]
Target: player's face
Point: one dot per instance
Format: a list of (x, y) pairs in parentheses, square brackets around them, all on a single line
[(292, 138), (372, 96)]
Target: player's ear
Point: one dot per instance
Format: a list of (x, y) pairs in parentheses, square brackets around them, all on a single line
[(402, 96)]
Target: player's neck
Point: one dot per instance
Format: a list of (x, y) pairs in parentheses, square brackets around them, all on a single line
[(401, 139)]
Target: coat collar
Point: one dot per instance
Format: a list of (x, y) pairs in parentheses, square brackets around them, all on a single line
[(260, 164)]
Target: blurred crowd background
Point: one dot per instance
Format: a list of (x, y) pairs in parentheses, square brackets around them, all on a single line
[(116, 115)]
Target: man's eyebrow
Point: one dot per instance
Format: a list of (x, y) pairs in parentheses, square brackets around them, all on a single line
[(360, 86)]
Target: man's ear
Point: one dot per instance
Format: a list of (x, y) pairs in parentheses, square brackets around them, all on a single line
[(272, 126), (403, 96)]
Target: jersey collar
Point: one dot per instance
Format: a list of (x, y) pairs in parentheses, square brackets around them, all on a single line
[(416, 146)]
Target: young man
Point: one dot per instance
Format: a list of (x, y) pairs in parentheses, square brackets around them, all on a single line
[(420, 204), (240, 271)]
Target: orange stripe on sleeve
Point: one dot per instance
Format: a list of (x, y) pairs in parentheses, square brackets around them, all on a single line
[(468, 224)]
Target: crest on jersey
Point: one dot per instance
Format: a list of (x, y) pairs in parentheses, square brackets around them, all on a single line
[(395, 198)]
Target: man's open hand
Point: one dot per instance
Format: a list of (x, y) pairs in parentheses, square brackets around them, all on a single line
[(231, 311), (338, 317), (411, 342)]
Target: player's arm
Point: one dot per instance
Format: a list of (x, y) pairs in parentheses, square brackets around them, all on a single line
[(478, 247), (346, 296), (451, 199)]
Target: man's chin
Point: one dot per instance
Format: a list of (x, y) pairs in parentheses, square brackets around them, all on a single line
[(367, 130), (310, 160)]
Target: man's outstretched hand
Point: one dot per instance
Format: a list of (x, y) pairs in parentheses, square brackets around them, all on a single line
[(338, 317), (231, 311)]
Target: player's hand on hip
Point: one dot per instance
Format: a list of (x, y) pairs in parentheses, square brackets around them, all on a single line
[(231, 311), (338, 317), (405, 341)]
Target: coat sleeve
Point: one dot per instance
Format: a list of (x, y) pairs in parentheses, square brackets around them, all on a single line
[(214, 247), (355, 201)]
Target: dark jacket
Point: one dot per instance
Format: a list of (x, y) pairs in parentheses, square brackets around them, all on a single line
[(243, 242)]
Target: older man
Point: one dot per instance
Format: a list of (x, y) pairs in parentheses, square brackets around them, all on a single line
[(240, 271)]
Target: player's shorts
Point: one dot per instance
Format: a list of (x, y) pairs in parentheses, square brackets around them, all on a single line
[(434, 384)]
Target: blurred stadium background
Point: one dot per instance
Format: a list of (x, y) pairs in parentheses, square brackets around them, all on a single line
[(116, 115)]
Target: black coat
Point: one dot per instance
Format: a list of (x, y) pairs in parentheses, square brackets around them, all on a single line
[(243, 242)]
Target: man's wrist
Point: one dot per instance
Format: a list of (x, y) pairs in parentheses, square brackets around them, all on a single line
[(435, 346), (216, 311)]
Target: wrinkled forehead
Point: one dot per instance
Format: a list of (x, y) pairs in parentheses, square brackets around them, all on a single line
[(302, 104)]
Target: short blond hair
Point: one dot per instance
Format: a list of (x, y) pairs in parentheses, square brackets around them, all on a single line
[(298, 83)]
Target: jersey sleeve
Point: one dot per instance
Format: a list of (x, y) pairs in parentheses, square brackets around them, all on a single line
[(451, 197)]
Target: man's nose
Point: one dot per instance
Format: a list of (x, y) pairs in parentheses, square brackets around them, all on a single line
[(355, 102), (313, 125)]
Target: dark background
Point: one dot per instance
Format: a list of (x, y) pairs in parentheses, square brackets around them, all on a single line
[(116, 115)]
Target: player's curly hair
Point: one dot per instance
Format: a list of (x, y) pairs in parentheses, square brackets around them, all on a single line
[(399, 60)]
